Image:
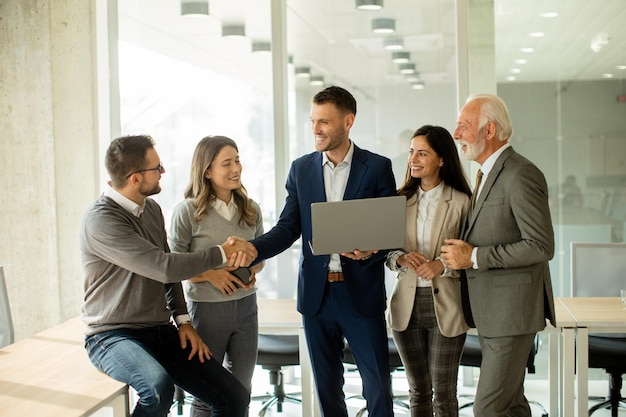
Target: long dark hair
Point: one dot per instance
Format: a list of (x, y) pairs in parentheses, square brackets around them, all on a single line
[(451, 173)]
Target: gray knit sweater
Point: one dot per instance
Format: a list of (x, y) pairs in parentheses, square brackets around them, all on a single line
[(187, 235), (131, 278)]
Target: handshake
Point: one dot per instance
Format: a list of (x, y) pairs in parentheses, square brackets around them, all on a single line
[(239, 252)]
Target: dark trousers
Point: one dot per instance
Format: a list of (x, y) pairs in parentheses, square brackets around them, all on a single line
[(367, 336)]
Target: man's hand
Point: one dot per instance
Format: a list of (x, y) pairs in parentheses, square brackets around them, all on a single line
[(457, 254), (239, 252), (188, 334), (358, 255)]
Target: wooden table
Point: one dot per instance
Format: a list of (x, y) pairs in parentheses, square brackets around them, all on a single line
[(280, 316), (589, 315), (49, 374)]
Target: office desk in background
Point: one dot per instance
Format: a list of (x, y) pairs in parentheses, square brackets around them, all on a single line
[(280, 316), (590, 315), (49, 374)]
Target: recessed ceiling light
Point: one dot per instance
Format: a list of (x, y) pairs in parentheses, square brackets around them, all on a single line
[(400, 57), (516, 70), (235, 30), (621, 67), (317, 80), (527, 50), (510, 78), (406, 68), (393, 43), (369, 4), (537, 34), (303, 71), (261, 46), (383, 25), (192, 8), (520, 61), (599, 41), (549, 14), (607, 75), (418, 85)]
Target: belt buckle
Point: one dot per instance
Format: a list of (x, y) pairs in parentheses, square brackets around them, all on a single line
[(334, 277)]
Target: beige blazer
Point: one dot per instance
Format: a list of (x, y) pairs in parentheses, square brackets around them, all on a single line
[(448, 222)]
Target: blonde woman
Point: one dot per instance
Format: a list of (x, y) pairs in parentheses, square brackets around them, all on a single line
[(221, 302)]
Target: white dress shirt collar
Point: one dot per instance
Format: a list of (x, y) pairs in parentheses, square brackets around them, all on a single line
[(126, 203), (226, 210), (490, 162), (347, 159)]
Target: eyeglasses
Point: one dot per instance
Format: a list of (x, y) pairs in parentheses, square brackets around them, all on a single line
[(159, 168)]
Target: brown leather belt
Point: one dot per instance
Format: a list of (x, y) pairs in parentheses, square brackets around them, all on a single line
[(335, 276)]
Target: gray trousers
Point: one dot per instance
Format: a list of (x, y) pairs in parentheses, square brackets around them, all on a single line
[(500, 389), (231, 331), (431, 360)]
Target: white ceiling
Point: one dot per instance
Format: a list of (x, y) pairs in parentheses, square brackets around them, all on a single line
[(336, 41)]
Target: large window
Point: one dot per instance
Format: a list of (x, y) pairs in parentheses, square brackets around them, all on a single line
[(181, 79), (563, 87), (179, 93)]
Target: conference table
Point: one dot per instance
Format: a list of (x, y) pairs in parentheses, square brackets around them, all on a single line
[(280, 316), (586, 315), (49, 374)]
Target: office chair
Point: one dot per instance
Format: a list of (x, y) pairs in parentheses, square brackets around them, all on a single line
[(395, 364), (472, 356), (274, 353), (7, 335), (180, 399), (609, 352)]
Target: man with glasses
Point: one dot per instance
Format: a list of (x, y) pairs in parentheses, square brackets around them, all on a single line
[(133, 291)]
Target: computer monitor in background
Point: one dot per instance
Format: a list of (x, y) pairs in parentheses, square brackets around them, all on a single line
[(598, 269)]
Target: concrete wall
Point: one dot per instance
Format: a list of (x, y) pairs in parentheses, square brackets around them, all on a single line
[(48, 152)]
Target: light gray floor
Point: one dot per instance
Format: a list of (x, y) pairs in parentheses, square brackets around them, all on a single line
[(536, 390)]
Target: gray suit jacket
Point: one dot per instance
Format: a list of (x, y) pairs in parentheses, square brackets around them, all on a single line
[(511, 293), (447, 224)]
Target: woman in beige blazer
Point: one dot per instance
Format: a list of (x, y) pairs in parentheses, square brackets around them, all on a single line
[(425, 310)]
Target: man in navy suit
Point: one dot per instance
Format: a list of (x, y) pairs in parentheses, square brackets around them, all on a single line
[(339, 295)]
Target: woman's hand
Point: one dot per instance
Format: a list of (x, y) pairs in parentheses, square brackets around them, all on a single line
[(224, 281)]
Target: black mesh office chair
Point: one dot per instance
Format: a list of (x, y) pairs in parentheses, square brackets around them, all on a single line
[(395, 364), (609, 352), (274, 353), (472, 356)]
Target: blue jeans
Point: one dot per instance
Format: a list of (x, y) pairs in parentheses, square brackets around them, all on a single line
[(151, 361)]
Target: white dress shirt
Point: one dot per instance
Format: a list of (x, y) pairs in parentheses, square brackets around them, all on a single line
[(335, 181)]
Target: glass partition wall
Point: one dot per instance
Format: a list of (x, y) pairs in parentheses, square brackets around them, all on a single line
[(560, 66)]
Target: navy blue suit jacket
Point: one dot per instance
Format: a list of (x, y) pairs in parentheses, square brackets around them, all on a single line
[(370, 176)]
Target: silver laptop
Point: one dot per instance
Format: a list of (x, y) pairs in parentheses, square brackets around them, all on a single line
[(364, 224)]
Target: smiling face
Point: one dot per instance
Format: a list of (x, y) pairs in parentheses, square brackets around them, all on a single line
[(424, 163), (468, 133), (224, 172), (330, 127)]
